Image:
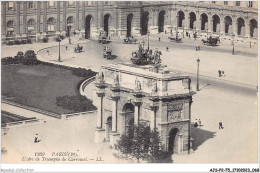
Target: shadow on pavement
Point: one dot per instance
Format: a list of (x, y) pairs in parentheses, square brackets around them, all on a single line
[(200, 136)]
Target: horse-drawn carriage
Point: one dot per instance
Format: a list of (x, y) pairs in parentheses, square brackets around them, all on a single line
[(174, 39), (144, 57), (130, 40), (78, 49), (211, 41), (107, 52), (102, 38)]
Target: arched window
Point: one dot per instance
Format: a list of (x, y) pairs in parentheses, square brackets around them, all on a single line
[(225, 2), (10, 28), (237, 3), (51, 24), (31, 25)]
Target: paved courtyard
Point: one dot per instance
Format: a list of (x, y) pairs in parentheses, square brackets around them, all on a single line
[(231, 99)]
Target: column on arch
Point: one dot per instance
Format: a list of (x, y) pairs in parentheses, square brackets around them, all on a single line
[(115, 114), (100, 111)]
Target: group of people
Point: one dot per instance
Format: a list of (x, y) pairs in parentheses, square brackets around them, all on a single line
[(197, 123), (221, 73)]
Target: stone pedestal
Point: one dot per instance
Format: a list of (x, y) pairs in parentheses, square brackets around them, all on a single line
[(136, 31), (153, 29), (114, 137), (168, 28), (100, 135)]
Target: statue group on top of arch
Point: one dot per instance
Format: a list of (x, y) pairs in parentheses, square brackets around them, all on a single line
[(146, 56)]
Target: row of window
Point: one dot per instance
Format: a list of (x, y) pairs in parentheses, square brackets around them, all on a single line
[(32, 5)]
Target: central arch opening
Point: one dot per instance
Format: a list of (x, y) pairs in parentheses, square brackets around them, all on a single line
[(161, 21), (128, 110), (144, 22), (129, 24), (216, 23), (204, 22), (240, 26), (181, 18), (253, 28), (173, 141), (228, 25), (192, 20), (88, 26), (106, 23)]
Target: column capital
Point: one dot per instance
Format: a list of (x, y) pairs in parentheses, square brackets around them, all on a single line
[(137, 103), (115, 98), (100, 94), (153, 108)]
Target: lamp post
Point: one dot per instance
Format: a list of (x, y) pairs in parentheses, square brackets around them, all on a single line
[(233, 43), (198, 61), (148, 40), (59, 40)]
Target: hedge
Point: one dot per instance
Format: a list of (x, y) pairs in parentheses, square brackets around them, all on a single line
[(75, 103)]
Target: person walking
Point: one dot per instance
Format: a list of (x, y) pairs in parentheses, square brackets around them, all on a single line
[(196, 123), (199, 122), (220, 125), (167, 49), (36, 138), (159, 38), (219, 73)]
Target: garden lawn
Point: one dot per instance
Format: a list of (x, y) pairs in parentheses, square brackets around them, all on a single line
[(39, 85)]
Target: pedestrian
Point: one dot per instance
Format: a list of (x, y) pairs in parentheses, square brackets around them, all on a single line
[(36, 138), (219, 73), (196, 123), (165, 31), (66, 47), (199, 122), (167, 49), (159, 38), (223, 73), (171, 31), (220, 125), (198, 47), (74, 33), (189, 35), (48, 52)]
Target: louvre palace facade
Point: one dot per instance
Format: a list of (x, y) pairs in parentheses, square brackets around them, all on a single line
[(38, 19)]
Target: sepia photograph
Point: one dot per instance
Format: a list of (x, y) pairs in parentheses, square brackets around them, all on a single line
[(129, 82)]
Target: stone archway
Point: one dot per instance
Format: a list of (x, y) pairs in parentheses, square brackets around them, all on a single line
[(192, 20), (216, 23), (228, 25), (240, 26), (204, 22), (88, 22), (129, 24), (161, 21), (144, 22), (106, 23), (70, 21), (128, 110), (108, 127), (173, 141), (181, 18), (253, 28)]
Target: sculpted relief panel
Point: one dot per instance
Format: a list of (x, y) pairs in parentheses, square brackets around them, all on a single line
[(174, 112)]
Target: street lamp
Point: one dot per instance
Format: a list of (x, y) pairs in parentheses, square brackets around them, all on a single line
[(233, 43), (59, 40), (148, 40), (198, 61)]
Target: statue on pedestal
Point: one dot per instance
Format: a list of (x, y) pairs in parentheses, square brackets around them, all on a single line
[(137, 84)]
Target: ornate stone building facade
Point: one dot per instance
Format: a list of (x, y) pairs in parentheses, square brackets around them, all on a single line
[(127, 94), (37, 19)]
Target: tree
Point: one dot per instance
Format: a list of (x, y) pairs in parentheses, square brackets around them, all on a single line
[(140, 142)]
